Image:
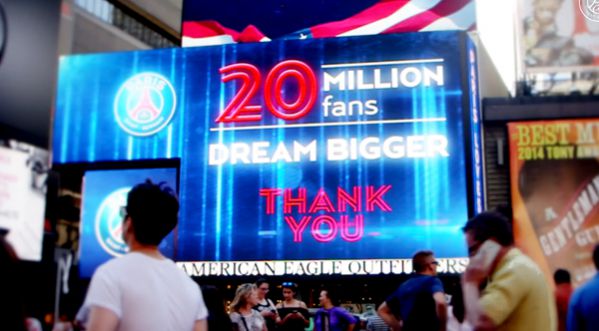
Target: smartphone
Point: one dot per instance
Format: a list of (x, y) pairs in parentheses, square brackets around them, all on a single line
[(487, 253)]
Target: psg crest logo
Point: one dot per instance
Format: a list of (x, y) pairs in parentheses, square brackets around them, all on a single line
[(145, 104), (109, 223), (590, 9)]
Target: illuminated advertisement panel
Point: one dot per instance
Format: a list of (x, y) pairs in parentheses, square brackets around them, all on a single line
[(341, 155), (23, 178), (104, 194), (476, 148), (555, 193)]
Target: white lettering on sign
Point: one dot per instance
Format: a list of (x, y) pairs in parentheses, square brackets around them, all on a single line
[(337, 149), (383, 78), (314, 267)]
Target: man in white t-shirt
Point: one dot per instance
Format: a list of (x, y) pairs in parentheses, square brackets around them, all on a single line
[(143, 290)]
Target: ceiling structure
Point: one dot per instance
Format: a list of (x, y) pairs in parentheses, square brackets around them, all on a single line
[(166, 12)]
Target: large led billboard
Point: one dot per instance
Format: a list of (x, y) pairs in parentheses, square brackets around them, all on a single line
[(341, 155)]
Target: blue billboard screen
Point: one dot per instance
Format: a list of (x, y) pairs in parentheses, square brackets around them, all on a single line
[(104, 193), (476, 148), (323, 149)]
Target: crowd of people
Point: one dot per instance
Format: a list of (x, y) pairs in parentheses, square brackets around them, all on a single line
[(501, 288)]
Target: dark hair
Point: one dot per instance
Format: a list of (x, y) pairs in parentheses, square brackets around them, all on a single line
[(561, 276), (490, 225), (290, 285), (505, 210), (153, 209), (419, 262), (596, 256), (261, 281), (332, 295)]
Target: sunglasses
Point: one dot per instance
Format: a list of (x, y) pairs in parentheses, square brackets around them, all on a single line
[(289, 284)]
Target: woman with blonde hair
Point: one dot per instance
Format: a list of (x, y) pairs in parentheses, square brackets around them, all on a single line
[(242, 315)]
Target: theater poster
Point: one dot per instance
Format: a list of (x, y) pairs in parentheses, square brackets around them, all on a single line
[(555, 192)]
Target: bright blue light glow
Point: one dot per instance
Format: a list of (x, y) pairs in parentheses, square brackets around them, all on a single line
[(222, 212)]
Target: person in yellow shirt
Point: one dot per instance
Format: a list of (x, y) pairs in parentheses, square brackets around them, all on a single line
[(517, 296)]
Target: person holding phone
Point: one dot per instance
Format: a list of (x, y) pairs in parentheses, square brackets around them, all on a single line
[(293, 313), (517, 296), (265, 306)]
